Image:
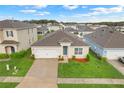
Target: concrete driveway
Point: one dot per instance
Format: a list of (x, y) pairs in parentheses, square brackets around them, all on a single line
[(42, 74), (118, 65)]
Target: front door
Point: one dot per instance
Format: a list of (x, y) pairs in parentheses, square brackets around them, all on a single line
[(65, 50), (9, 49)]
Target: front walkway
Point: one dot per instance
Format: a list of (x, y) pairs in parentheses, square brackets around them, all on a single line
[(43, 73), (89, 81), (118, 65)]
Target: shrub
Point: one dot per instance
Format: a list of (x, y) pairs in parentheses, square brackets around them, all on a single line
[(4, 56), (73, 57), (88, 56), (20, 54), (104, 59), (61, 58), (32, 57)]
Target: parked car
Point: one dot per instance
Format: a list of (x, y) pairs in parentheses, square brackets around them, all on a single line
[(121, 59)]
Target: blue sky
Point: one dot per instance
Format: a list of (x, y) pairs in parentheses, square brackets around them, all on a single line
[(66, 13)]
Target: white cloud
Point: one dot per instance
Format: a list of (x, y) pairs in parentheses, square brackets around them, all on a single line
[(84, 7), (70, 7), (27, 11), (102, 10), (3, 17), (40, 6), (42, 13)]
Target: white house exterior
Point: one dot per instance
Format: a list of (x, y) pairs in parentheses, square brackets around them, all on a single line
[(106, 44), (16, 36), (60, 43)]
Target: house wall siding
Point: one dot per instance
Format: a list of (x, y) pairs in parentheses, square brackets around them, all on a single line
[(60, 50), (26, 37)]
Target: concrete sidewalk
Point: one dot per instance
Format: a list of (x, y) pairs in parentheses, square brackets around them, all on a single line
[(11, 79), (89, 81)]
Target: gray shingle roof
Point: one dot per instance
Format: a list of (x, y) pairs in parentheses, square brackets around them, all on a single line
[(15, 24), (70, 29), (84, 28), (107, 39), (43, 28), (54, 38), (104, 29)]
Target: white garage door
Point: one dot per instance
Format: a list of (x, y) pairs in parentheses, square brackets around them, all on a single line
[(47, 53), (115, 54)]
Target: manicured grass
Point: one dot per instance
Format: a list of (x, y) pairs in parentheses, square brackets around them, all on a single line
[(94, 68), (90, 86), (8, 85), (23, 64), (40, 37)]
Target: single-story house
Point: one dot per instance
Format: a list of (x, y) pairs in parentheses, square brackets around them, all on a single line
[(84, 30), (42, 30), (60, 43), (107, 44)]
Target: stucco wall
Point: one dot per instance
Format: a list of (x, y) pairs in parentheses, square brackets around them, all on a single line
[(26, 37), (60, 50), (10, 38), (1, 35), (95, 47)]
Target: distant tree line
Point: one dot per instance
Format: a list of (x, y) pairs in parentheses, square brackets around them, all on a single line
[(109, 23), (41, 21)]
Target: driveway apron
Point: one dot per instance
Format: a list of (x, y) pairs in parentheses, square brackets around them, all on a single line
[(118, 65), (42, 74)]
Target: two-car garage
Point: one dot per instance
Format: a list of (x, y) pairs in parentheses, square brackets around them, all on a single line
[(45, 52)]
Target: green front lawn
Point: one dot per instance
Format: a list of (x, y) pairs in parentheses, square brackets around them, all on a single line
[(22, 64), (90, 86), (94, 68), (40, 37), (8, 85)]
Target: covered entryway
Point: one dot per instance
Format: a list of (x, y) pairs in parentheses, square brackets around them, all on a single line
[(9, 49), (46, 53)]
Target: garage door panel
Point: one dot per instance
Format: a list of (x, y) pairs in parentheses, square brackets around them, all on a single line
[(115, 54), (48, 53)]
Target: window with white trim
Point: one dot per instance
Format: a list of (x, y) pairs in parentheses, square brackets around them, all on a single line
[(78, 51), (9, 33)]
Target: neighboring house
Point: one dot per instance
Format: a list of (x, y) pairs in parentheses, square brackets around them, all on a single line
[(71, 30), (96, 26), (104, 29), (120, 29), (80, 30), (84, 30), (42, 30), (54, 27), (107, 44), (70, 25), (60, 43), (16, 36)]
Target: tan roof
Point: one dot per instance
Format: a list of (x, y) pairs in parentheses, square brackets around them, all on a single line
[(107, 39), (54, 38)]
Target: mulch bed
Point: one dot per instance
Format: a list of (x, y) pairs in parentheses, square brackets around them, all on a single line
[(80, 60)]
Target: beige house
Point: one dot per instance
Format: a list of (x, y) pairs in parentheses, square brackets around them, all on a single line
[(16, 36), (60, 43)]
